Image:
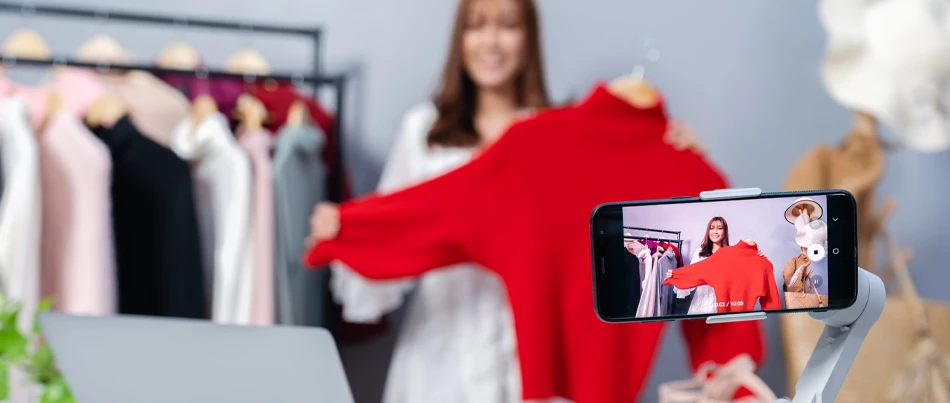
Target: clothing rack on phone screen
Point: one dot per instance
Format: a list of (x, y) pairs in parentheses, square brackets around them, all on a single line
[(661, 277), (314, 77)]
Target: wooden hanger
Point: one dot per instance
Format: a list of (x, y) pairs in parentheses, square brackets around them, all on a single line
[(105, 111), (247, 61), (253, 113), (26, 43), (102, 48), (203, 107), (297, 114), (634, 89), (178, 56)]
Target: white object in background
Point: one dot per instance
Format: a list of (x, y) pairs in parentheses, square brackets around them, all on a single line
[(222, 180), (891, 59), (20, 210)]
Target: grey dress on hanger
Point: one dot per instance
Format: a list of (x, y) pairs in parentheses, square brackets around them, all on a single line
[(303, 297)]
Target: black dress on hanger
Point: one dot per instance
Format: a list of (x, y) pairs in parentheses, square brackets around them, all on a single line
[(156, 230)]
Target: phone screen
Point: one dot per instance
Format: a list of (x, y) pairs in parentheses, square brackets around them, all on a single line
[(692, 258)]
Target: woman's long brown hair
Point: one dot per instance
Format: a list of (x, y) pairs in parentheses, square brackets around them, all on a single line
[(455, 100), (707, 246)]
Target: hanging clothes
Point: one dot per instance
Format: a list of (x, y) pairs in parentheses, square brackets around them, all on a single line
[(648, 287), (78, 263), (224, 91), (457, 343), (635, 265), (155, 107), (77, 90), (666, 262), (222, 179), (739, 276), (158, 251), (303, 298), (20, 211), (257, 144), (278, 97), (459, 217)]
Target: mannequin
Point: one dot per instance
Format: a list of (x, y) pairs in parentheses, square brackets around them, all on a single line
[(856, 165)]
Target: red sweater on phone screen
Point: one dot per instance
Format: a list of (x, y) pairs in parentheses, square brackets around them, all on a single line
[(739, 276), (522, 209)]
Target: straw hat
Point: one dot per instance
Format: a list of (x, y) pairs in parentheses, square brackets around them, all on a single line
[(891, 58), (811, 206)]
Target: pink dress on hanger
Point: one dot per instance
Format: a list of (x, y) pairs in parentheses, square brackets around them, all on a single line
[(258, 144), (77, 266)]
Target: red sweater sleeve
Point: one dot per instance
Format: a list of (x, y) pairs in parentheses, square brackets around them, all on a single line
[(687, 277), (422, 227), (771, 300)]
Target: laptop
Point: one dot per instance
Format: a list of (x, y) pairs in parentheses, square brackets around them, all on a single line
[(124, 359)]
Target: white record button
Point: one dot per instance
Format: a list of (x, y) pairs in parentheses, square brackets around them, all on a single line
[(816, 252)]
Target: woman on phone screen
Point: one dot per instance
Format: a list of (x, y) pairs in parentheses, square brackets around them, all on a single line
[(704, 296), (457, 342)]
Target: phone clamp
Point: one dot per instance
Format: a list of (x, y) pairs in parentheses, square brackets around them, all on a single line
[(725, 194)]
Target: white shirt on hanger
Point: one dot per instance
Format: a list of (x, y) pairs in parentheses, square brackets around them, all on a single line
[(457, 343), (222, 181), (20, 209)]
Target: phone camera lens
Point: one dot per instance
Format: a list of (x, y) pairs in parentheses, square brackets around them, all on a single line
[(601, 232)]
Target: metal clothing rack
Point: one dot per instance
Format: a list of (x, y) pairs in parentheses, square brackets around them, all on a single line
[(315, 77), (659, 279)]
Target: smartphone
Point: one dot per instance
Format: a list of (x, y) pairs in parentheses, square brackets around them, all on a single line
[(690, 258)]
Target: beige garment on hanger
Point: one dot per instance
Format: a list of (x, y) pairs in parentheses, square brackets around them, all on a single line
[(854, 165), (156, 107)]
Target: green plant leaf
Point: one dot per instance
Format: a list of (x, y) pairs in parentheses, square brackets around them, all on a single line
[(45, 305), (43, 364), (57, 392), (4, 381), (12, 344)]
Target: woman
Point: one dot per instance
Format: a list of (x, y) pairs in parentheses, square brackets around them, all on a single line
[(457, 342), (704, 297)]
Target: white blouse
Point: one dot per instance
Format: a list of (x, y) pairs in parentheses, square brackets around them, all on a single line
[(457, 343), (222, 180), (20, 208)]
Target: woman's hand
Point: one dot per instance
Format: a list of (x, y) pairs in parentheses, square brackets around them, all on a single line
[(324, 223), (681, 137), (669, 273), (762, 254)]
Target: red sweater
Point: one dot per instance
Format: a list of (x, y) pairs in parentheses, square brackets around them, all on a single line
[(739, 276), (522, 209)]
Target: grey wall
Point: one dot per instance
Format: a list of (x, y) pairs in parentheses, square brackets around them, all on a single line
[(761, 220), (744, 74)]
